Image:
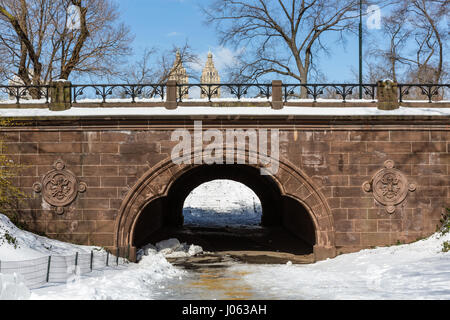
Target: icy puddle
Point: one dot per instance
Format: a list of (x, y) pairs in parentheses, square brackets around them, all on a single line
[(213, 284), (220, 276), (212, 281)]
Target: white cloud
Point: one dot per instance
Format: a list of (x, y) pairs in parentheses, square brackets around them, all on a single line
[(174, 34), (223, 57)]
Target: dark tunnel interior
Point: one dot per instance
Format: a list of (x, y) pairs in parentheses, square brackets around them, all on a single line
[(286, 226)]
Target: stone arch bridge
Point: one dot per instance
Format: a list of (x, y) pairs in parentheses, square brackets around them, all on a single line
[(105, 176)]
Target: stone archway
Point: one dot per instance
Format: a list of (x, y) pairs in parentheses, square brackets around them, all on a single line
[(291, 181)]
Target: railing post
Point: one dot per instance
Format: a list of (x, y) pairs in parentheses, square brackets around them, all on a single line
[(277, 95), (171, 101), (387, 95), (60, 95), (48, 267), (92, 258)]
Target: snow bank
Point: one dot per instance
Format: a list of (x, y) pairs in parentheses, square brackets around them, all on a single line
[(416, 271), (24, 245), (144, 281), (12, 287)]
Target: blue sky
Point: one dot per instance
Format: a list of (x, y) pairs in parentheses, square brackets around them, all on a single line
[(164, 23)]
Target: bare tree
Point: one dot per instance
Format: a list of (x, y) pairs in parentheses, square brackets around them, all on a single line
[(39, 42), (282, 36), (430, 37), (417, 38), (156, 66)]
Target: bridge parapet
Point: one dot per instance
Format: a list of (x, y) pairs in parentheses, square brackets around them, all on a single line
[(62, 95)]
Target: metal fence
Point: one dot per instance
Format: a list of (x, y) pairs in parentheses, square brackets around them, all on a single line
[(59, 269), (132, 93)]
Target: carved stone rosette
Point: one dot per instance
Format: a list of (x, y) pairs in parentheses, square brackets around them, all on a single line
[(389, 186), (59, 187)]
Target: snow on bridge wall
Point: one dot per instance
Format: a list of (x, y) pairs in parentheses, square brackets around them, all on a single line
[(365, 181)]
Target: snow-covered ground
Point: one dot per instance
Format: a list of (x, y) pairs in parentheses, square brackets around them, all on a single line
[(415, 271), (221, 203)]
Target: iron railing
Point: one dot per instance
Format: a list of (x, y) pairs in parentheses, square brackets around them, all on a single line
[(227, 90), (340, 91), (19, 93), (118, 91), (107, 93)]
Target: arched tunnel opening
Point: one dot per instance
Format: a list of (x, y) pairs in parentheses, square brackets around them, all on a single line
[(271, 223)]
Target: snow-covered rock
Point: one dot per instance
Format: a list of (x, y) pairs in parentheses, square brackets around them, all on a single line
[(194, 250), (171, 248)]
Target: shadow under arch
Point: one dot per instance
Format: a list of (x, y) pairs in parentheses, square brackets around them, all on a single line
[(289, 189)]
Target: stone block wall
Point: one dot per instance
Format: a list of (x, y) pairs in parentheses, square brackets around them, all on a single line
[(109, 157)]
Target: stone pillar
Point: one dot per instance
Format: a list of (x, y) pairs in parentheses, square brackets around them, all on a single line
[(277, 95), (171, 102), (387, 95), (132, 256), (60, 95)]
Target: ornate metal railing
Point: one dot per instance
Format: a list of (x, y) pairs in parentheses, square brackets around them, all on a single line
[(329, 91), (108, 93), (428, 90), (25, 93), (118, 91), (226, 91)]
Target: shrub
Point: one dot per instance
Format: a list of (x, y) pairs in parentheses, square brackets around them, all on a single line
[(445, 221), (9, 239), (445, 228), (446, 246)]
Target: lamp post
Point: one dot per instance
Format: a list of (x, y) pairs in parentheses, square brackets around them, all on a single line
[(360, 51)]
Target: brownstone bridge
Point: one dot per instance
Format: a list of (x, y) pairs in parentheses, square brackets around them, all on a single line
[(103, 174)]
